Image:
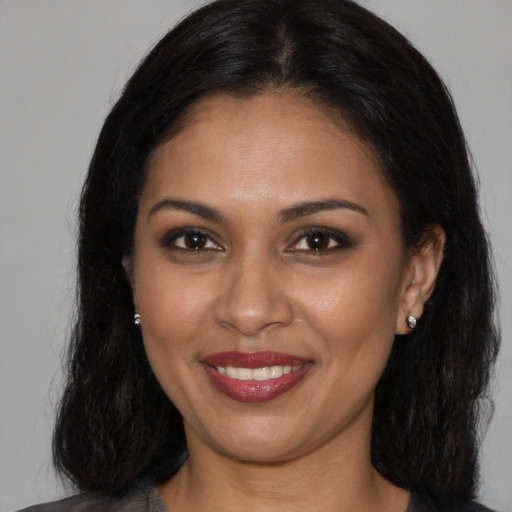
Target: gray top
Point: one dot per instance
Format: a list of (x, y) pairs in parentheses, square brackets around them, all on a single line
[(148, 500), (140, 500)]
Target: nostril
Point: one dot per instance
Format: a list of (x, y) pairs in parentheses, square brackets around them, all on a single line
[(252, 299), (252, 321), (249, 327)]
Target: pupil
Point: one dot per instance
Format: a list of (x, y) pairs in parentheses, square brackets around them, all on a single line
[(195, 241), (318, 241)]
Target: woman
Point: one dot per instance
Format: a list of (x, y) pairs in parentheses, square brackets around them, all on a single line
[(286, 296)]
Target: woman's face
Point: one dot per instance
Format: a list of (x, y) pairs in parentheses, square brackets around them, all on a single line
[(270, 277)]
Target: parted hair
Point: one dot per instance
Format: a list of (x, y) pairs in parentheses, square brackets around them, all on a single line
[(115, 425)]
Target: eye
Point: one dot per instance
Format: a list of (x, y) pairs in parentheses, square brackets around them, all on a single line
[(190, 240), (321, 240)]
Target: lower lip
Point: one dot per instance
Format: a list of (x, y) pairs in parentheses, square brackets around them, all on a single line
[(252, 391)]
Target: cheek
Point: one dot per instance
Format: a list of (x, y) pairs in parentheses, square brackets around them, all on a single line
[(173, 305), (174, 311), (354, 311)]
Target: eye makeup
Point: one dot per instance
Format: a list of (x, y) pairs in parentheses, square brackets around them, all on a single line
[(189, 239), (320, 240), (314, 241)]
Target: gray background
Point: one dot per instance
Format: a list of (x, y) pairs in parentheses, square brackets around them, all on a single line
[(62, 65)]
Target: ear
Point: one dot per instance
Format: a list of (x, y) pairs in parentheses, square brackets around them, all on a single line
[(127, 263), (420, 276)]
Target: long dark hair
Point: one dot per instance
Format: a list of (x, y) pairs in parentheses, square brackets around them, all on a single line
[(115, 425)]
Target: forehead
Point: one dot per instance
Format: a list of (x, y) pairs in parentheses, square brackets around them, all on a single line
[(281, 147)]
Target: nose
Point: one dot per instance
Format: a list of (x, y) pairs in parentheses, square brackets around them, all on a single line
[(253, 298)]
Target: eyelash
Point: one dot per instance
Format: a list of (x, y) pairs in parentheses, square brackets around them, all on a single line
[(341, 241), (169, 240)]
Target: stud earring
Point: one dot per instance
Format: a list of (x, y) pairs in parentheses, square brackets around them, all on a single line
[(136, 319), (411, 322)]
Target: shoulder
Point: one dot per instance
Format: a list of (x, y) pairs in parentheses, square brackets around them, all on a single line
[(423, 503), (137, 500), (80, 502)]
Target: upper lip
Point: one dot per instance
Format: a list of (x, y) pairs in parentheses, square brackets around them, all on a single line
[(253, 359)]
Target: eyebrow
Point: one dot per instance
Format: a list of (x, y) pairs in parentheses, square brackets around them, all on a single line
[(193, 207), (287, 215), (310, 207)]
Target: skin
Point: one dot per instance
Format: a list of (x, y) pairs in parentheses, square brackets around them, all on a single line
[(258, 283)]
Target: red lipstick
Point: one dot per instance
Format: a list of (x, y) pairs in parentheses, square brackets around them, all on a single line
[(255, 390)]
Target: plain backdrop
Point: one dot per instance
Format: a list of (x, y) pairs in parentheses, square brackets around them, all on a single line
[(62, 65)]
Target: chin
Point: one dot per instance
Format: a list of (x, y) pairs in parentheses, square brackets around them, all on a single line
[(264, 452), (257, 440)]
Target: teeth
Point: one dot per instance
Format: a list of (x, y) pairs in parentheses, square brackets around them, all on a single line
[(231, 372), (263, 373), (244, 374), (276, 372)]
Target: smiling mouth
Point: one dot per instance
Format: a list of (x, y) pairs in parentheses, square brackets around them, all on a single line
[(255, 377), (259, 374)]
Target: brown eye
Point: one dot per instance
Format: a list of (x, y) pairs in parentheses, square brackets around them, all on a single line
[(195, 240), (321, 241), (318, 241), (189, 240)]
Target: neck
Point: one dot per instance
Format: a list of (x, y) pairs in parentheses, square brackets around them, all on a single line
[(332, 478)]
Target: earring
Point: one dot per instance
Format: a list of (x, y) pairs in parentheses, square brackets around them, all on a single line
[(136, 319), (411, 322)]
